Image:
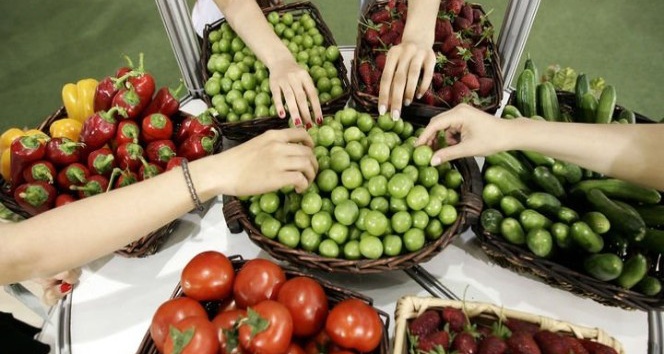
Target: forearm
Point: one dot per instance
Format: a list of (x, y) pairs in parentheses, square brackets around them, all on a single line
[(248, 21), (422, 28), (629, 152)]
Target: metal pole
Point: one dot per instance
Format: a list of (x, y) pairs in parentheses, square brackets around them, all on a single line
[(176, 17), (513, 36)]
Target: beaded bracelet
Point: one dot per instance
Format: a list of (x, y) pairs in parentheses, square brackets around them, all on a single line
[(190, 185)]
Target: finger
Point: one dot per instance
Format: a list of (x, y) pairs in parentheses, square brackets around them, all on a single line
[(294, 136), (427, 73), (391, 61), (297, 179), (53, 294), (431, 130), (312, 94), (291, 103), (398, 87), (414, 71), (278, 99), (449, 153), (301, 164), (301, 102)]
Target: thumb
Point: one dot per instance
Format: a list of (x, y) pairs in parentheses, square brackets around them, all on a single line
[(449, 153)]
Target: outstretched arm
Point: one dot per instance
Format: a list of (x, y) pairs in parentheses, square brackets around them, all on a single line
[(74, 234), (632, 152)]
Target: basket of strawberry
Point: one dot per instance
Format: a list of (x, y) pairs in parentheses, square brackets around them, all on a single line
[(467, 66), (427, 324), (109, 134)]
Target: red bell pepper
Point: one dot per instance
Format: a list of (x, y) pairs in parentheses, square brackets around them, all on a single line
[(129, 156), (96, 184), (201, 124), (165, 101), (99, 129), (130, 101), (35, 197), (160, 152), (127, 132), (40, 171), (101, 161), (63, 151), (74, 174), (142, 82), (156, 127), (108, 88), (23, 151), (174, 162), (196, 146), (64, 198), (124, 178)]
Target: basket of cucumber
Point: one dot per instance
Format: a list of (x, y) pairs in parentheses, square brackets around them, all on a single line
[(592, 235), (376, 204)]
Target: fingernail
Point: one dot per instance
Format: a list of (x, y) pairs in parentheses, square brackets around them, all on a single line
[(297, 121), (65, 288), (382, 109), (396, 114), (319, 120), (419, 95), (282, 114), (406, 103), (435, 161), (308, 125)]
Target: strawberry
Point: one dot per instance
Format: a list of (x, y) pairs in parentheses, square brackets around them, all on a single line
[(431, 98), (551, 343), (365, 71), (486, 87), (521, 326), (380, 60), (477, 62), (462, 23), (437, 81), (467, 12), (402, 8), (461, 92), (492, 345), (372, 37), (375, 78), (443, 29), (454, 6), (450, 43), (464, 343), (382, 15), (596, 348), (477, 16), (426, 323), (454, 68), (446, 95), (522, 343), (454, 317), (398, 26), (391, 4), (471, 81), (434, 340), (575, 347), (383, 28), (389, 38)]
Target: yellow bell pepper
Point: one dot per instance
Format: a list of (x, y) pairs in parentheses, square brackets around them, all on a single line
[(8, 136), (79, 99), (42, 136), (66, 128), (6, 165)]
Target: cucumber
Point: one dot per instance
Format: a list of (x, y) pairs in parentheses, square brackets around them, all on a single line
[(548, 182), (544, 203), (634, 269), (547, 102), (561, 235), (616, 244), (567, 215), (653, 241), (540, 242), (510, 162), (526, 100), (622, 219), (531, 219), (616, 188), (507, 181), (573, 173), (508, 116), (530, 65), (597, 222), (586, 238), (628, 116), (582, 87), (603, 266), (649, 286), (491, 194), (538, 159), (511, 206), (490, 219), (512, 110), (653, 215), (606, 105), (512, 231), (588, 108)]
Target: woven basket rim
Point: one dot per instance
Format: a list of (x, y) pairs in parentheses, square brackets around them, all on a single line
[(335, 293), (369, 102), (409, 307)]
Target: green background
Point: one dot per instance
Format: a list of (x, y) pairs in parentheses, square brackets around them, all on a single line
[(49, 43)]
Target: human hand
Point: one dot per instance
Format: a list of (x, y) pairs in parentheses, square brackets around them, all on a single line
[(270, 161), (404, 65), (291, 82), (56, 287), (468, 132)]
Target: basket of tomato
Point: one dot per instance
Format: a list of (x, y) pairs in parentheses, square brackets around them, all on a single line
[(426, 324), (219, 306), (376, 204), (467, 62), (109, 134), (237, 83)]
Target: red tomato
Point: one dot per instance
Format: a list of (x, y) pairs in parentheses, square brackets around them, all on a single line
[(306, 300), (274, 325), (354, 324), (320, 344), (224, 322), (208, 276), (203, 341), (294, 348), (170, 312), (257, 280)]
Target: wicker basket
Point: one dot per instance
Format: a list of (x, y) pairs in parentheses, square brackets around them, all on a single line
[(470, 207), (522, 261), (246, 130), (145, 246), (334, 294), (410, 307), (418, 112)]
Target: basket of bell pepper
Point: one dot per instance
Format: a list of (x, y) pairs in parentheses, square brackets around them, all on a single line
[(108, 134)]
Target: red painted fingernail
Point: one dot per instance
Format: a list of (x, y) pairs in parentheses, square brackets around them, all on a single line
[(282, 114), (65, 287), (319, 120), (297, 122), (308, 125)]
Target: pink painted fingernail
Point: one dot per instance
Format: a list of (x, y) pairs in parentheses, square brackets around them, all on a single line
[(282, 114), (65, 288), (297, 121)]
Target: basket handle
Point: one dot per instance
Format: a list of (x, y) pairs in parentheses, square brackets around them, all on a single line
[(471, 201), (233, 211)]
